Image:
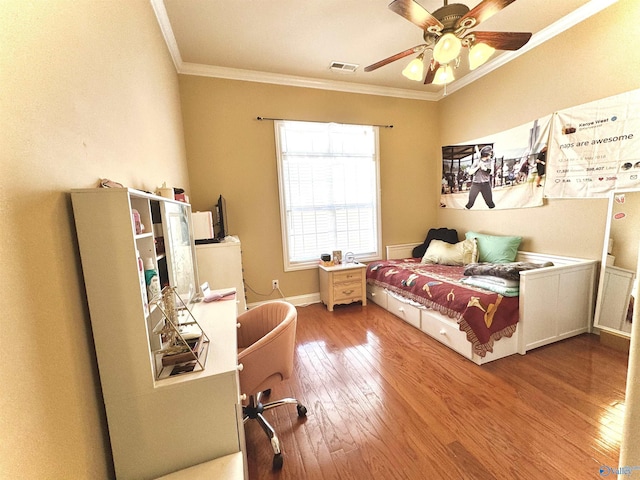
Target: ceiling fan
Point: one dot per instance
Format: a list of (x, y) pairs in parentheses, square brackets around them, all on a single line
[(445, 33)]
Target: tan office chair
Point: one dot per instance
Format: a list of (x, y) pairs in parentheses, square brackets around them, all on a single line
[(266, 343)]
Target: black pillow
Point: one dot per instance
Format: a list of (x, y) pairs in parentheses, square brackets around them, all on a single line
[(448, 235)]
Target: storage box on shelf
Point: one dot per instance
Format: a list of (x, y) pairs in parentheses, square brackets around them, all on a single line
[(147, 415)]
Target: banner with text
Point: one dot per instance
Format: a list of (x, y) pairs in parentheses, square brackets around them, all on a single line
[(595, 148)]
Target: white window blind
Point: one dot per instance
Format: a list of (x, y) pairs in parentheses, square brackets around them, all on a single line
[(329, 191)]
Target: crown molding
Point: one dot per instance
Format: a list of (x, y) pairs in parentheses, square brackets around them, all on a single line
[(167, 32), (304, 82), (186, 68)]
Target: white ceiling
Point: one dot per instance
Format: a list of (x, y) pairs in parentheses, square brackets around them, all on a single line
[(293, 42)]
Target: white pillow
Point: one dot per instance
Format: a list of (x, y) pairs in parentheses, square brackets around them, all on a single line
[(444, 253)]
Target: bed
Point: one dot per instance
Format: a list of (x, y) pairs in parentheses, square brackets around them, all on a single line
[(553, 300)]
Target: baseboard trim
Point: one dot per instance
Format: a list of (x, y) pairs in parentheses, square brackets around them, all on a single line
[(298, 301)]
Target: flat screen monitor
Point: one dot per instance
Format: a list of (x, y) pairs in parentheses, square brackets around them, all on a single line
[(221, 228)]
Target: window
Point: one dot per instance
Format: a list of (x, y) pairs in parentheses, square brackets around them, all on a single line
[(329, 191)]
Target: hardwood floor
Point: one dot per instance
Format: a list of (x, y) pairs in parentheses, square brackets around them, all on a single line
[(385, 401)]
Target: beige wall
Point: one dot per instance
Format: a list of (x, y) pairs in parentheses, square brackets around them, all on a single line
[(583, 64), (87, 90), (231, 153)]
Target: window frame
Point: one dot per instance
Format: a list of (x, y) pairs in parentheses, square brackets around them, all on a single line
[(313, 263)]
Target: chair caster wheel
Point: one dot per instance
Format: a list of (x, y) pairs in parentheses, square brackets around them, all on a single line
[(302, 410), (277, 461)]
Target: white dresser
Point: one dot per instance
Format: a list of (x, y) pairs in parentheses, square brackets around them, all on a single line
[(220, 264)]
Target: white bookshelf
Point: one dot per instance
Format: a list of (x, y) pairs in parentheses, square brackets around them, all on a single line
[(156, 426)]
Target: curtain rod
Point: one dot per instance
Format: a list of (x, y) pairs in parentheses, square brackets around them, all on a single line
[(315, 121)]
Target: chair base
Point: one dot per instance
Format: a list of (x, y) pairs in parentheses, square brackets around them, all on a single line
[(254, 411)]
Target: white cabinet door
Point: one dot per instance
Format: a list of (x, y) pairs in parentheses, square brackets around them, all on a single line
[(616, 293)]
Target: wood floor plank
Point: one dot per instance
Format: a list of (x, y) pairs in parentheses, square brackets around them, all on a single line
[(385, 401)]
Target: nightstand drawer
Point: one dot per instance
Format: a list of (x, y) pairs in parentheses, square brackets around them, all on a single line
[(347, 291), (348, 276)]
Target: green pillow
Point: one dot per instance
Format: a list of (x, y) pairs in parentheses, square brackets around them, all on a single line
[(494, 248)]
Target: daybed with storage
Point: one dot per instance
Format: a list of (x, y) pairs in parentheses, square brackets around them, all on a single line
[(553, 301)]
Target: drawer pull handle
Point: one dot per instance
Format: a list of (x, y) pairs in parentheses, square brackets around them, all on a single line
[(400, 309), (347, 292), (443, 331), (240, 367)]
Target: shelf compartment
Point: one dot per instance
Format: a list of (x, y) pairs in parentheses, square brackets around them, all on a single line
[(184, 344)]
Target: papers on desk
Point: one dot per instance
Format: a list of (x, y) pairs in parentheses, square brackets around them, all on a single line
[(209, 295)]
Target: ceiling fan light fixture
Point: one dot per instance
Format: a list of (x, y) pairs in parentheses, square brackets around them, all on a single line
[(447, 48), (415, 69), (443, 75), (479, 54)]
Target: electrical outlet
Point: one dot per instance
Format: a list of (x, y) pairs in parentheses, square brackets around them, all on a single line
[(275, 284)]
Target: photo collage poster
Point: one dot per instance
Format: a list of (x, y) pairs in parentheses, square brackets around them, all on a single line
[(501, 171)]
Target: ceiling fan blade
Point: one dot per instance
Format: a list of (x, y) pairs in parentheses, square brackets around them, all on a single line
[(481, 12), (431, 72), (416, 14), (501, 40), (397, 56)]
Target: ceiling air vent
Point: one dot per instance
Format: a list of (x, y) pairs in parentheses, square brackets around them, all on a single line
[(342, 67)]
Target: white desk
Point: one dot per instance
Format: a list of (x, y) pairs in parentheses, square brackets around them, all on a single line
[(187, 419), (229, 467)]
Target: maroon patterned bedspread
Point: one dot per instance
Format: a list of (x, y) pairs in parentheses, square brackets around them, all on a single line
[(484, 316)]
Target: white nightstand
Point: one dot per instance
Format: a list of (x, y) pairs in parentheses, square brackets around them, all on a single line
[(344, 283)]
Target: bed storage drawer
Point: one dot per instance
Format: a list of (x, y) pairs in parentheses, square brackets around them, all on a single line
[(447, 332), (377, 295), (408, 313)]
